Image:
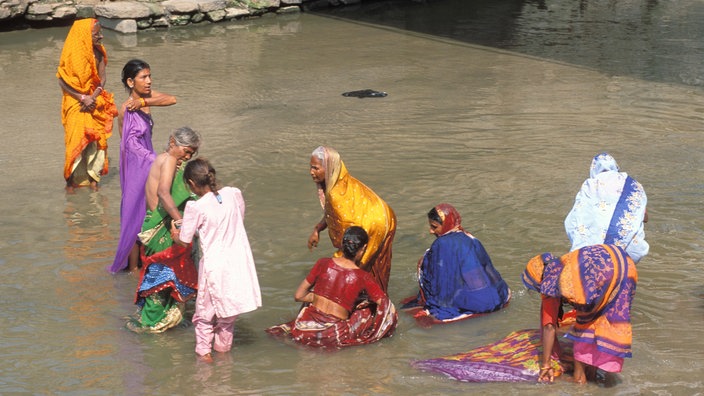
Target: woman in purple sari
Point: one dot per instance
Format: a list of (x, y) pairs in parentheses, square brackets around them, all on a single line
[(456, 277), (136, 157)]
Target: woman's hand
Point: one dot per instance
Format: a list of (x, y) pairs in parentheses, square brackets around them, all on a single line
[(313, 239), (87, 103), (546, 375), (135, 104), (176, 232)]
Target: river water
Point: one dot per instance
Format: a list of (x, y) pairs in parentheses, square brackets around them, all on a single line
[(496, 107)]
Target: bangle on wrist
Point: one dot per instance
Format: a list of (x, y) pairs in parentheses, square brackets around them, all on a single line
[(82, 97), (143, 102)]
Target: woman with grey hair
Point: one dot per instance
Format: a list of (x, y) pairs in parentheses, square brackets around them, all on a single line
[(347, 201), (168, 278)]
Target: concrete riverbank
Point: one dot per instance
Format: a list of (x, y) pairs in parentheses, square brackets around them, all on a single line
[(133, 15)]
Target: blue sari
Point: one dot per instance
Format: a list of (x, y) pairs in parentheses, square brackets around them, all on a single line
[(457, 277)]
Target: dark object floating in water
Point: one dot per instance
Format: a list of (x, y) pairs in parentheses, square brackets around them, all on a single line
[(365, 93)]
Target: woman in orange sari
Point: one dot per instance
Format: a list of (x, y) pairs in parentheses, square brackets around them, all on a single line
[(87, 109), (348, 202), (599, 281)]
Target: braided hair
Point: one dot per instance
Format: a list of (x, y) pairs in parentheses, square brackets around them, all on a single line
[(353, 240), (202, 174)]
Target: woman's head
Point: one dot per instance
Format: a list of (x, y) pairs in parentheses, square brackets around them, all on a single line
[(183, 143), (603, 162), (353, 241), (200, 175), (325, 166), (317, 165), (136, 74), (533, 274), (96, 33), (444, 218)]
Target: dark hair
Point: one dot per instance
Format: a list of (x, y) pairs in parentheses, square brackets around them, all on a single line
[(354, 239), (131, 69), (433, 215), (201, 173)]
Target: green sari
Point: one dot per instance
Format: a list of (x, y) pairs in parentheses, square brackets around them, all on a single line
[(169, 277)]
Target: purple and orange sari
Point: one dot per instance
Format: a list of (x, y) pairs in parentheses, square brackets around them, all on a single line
[(599, 282)]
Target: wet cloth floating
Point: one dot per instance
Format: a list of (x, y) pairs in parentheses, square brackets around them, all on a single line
[(512, 359), (365, 93), (515, 358)]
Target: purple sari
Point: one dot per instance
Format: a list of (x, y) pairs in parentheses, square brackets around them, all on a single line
[(136, 157)]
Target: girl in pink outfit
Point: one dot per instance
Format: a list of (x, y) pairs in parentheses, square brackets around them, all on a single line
[(227, 279)]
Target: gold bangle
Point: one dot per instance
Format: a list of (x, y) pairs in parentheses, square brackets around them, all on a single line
[(143, 102)]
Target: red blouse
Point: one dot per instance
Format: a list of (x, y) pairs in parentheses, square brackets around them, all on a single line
[(550, 310), (342, 285)]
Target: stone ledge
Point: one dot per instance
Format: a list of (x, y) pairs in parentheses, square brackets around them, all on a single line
[(133, 15)]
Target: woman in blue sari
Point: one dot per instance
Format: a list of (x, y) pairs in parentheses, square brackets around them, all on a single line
[(456, 277), (610, 208)]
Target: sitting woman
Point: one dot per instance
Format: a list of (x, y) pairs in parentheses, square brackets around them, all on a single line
[(599, 282), (457, 279), (333, 315)]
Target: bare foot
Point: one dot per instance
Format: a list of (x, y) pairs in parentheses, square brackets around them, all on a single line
[(94, 185), (580, 375), (70, 189), (207, 358)]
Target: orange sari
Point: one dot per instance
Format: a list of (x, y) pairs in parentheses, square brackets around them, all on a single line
[(599, 281), (85, 134), (348, 202)]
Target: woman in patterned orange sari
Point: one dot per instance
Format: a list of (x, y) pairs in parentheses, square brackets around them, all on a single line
[(348, 202), (599, 281), (87, 109)]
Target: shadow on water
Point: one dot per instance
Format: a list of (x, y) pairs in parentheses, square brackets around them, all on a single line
[(650, 40)]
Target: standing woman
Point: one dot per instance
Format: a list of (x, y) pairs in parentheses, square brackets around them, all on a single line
[(609, 208), (87, 109), (347, 202), (227, 278), (599, 282), (136, 157)]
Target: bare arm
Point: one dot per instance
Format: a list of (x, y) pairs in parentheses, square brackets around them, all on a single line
[(303, 293), (549, 311), (154, 99), (102, 73), (315, 235), (160, 99)]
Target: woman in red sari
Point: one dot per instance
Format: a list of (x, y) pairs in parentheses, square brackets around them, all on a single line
[(599, 282), (333, 315)]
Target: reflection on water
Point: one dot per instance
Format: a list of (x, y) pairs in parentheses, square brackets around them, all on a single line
[(505, 137), (653, 40)]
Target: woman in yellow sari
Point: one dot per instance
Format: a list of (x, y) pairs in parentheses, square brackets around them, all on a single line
[(348, 202), (87, 109)]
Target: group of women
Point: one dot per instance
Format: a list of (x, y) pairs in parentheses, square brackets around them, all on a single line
[(344, 297)]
